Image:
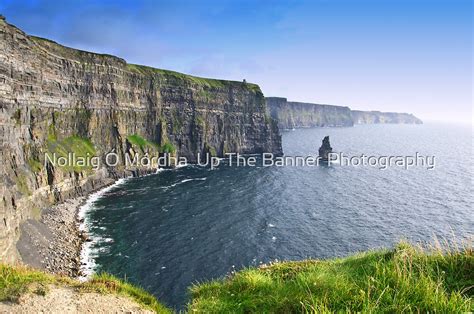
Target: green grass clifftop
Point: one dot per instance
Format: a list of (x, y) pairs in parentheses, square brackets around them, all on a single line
[(406, 279)]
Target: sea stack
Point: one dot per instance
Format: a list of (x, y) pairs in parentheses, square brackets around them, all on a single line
[(325, 149)]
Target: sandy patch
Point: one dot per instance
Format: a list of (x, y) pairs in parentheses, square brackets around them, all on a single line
[(68, 300)]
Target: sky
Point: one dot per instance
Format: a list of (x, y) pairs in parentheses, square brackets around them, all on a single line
[(391, 55)]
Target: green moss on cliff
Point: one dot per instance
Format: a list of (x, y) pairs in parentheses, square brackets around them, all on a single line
[(51, 133), (200, 121), (137, 140), (168, 148), (78, 146), (185, 78), (35, 165), (22, 184), (142, 143), (406, 279), (211, 150), (206, 95)]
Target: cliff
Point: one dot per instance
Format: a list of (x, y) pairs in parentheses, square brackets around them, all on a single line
[(372, 117), (58, 100), (297, 114), (302, 115)]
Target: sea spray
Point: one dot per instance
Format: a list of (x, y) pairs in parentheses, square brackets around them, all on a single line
[(87, 255)]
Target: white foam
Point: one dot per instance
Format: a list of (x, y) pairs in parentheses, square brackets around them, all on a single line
[(184, 181), (88, 253), (195, 179), (162, 169), (181, 165)]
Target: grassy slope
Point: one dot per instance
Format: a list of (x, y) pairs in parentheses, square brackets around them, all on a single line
[(406, 279), (15, 280), (183, 78)]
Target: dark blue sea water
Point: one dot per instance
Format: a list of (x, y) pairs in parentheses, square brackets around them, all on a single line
[(178, 227)]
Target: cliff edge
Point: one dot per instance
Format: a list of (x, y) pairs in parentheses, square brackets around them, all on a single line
[(24, 290), (375, 117), (290, 114), (59, 100)]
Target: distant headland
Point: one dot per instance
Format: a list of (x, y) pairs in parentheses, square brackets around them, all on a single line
[(290, 114)]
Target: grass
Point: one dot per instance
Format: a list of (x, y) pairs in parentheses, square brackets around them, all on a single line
[(17, 280), (177, 77), (79, 146), (139, 141), (168, 148), (408, 279), (88, 59), (35, 165), (105, 283), (405, 279)]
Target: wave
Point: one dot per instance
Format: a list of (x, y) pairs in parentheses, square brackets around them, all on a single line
[(195, 179), (184, 181), (88, 253)]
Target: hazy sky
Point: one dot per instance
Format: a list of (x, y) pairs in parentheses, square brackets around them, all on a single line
[(391, 55)]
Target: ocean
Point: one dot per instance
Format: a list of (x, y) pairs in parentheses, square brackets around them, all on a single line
[(167, 231)]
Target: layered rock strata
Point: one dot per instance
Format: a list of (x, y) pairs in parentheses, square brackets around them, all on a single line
[(58, 100), (290, 114)]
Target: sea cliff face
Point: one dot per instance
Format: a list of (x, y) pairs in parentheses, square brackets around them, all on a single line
[(55, 99), (300, 115), (373, 117), (297, 114)]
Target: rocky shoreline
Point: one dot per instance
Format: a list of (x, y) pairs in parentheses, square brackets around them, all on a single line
[(107, 106), (54, 242)]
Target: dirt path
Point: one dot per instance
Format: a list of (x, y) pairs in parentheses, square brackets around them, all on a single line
[(63, 300)]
